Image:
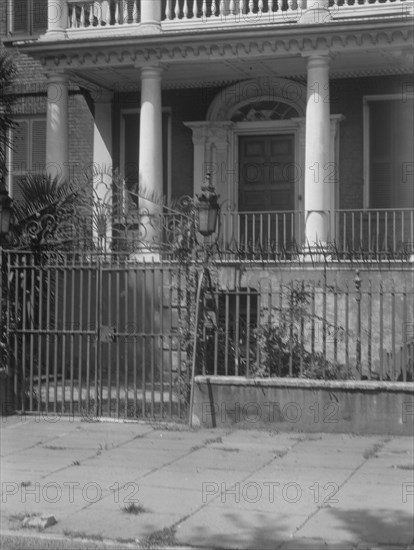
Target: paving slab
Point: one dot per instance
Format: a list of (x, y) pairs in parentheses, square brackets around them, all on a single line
[(333, 491)]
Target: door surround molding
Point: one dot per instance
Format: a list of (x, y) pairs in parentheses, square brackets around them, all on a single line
[(215, 140)]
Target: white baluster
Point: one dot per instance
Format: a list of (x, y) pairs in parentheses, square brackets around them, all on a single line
[(135, 12), (290, 5), (204, 9), (222, 9), (74, 23), (106, 12), (260, 6), (185, 9), (300, 4), (241, 6), (90, 5), (177, 9), (125, 14), (195, 9), (232, 7), (251, 6), (213, 8), (270, 6), (117, 12), (82, 17), (168, 10)]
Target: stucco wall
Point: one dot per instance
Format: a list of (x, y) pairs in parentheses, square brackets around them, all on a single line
[(304, 405)]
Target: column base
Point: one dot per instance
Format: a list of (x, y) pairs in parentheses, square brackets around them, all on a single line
[(315, 16), (150, 27), (316, 254), (146, 255), (53, 35)]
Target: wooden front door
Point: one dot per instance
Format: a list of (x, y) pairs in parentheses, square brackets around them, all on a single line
[(266, 191)]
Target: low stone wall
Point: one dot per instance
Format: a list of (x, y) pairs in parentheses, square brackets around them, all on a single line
[(299, 405)]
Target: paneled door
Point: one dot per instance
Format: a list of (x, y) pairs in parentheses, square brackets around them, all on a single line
[(267, 175)]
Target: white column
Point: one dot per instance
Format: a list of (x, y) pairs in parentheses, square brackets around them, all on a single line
[(317, 167), (200, 132), (150, 153), (102, 161), (317, 11), (57, 20), (57, 142), (150, 16)]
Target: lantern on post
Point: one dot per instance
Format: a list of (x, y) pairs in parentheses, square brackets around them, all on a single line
[(208, 209), (5, 213)]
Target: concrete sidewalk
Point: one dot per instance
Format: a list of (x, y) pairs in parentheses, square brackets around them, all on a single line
[(135, 485)]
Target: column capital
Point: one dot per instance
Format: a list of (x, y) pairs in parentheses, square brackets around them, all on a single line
[(57, 77), (104, 96), (151, 71), (312, 56), (200, 131)]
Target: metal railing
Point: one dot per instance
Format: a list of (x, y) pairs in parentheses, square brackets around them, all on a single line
[(372, 234), (313, 329), (93, 335), (377, 235), (103, 335)]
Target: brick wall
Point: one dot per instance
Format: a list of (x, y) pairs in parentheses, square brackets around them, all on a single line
[(31, 86)]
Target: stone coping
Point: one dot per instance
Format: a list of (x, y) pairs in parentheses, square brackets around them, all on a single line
[(303, 383)]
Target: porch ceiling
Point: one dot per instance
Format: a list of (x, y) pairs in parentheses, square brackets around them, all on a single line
[(202, 59), (221, 71)]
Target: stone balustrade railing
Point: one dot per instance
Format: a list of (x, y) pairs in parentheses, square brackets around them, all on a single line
[(187, 14)]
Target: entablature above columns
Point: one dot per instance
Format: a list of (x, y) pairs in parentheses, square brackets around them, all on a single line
[(288, 44)]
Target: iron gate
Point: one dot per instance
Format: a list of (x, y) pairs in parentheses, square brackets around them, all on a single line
[(93, 335)]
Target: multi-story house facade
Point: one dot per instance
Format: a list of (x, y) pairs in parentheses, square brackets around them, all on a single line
[(301, 111)]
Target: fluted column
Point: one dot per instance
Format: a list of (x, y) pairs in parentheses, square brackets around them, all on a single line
[(57, 142), (317, 156), (150, 153)]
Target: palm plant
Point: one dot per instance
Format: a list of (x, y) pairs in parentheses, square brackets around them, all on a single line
[(52, 214)]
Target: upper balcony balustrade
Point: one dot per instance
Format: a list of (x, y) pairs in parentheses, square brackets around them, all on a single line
[(81, 18), (186, 15)]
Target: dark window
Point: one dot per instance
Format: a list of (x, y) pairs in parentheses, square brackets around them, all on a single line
[(29, 151), (28, 17), (391, 154)]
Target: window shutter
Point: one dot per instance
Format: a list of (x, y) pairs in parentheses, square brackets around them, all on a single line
[(16, 190), (39, 16), (38, 146), (20, 147), (20, 16)]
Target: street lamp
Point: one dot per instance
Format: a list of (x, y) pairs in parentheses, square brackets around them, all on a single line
[(5, 213), (208, 210)]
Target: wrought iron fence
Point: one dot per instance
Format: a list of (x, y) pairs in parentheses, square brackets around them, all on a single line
[(94, 335), (313, 329), (104, 335)]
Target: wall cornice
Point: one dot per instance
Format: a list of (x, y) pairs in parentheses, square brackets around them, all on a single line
[(287, 42)]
